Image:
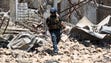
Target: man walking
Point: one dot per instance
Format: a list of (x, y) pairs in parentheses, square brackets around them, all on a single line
[(54, 25)]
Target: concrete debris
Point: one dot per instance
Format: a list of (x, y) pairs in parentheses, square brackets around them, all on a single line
[(84, 22), (28, 42), (84, 29), (4, 15), (71, 52), (105, 21), (25, 41), (106, 29), (64, 37)]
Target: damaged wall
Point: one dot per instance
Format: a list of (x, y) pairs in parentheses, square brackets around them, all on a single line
[(13, 10), (4, 5), (32, 4), (88, 10), (103, 12)]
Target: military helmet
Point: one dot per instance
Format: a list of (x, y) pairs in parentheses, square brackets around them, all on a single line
[(53, 10)]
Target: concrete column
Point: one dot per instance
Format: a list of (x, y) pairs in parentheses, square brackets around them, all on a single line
[(16, 1), (55, 3), (13, 10)]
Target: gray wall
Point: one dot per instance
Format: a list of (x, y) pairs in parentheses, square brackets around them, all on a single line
[(90, 12), (87, 10), (13, 10), (4, 4)]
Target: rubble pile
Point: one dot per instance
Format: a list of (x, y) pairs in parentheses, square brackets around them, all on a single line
[(24, 48), (27, 42), (70, 52), (85, 30)]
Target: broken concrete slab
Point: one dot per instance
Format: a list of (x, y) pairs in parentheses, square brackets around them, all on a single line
[(106, 29), (97, 35), (84, 29), (105, 21), (83, 34), (25, 41), (84, 22)]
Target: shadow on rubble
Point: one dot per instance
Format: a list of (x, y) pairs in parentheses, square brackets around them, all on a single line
[(103, 43), (98, 43), (88, 40), (50, 52), (3, 43)]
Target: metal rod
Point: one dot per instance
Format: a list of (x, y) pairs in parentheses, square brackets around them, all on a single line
[(1, 23), (6, 26), (74, 9), (72, 6)]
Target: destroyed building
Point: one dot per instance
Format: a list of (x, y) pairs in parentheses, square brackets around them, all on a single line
[(23, 30)]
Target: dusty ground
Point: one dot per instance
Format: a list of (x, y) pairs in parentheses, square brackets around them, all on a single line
[(70, 52)]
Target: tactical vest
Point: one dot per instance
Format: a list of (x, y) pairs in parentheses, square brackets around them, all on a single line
[(53, 23)]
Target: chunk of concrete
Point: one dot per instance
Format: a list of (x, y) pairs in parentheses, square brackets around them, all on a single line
[(106, 29), (84, 29), (64, 37), (25, 41)]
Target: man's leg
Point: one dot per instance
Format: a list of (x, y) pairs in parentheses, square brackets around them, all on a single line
[(58, 35), (54, 41)]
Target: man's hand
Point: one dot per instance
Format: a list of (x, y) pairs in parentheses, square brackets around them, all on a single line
[(63, 25)]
